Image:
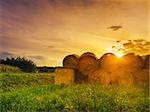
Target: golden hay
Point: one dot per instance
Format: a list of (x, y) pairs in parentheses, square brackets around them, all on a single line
[(132, 61), (88, 64), (141, 76), (147, 62), (88, 54), (64, 75), (122, 76), (100, 76), (71, 61), (108, 61), (79, 77)]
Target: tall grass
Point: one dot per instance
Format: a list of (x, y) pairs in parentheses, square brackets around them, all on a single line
[(77, 98), (26, 92), (13, 81), (7, 68)]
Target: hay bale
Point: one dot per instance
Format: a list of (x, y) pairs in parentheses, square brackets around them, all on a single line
[(79, 77), (108, 62), (100, 76), (88, 64), (88, 54), (71, 61), (147, 62), (141, 77), (132, 62), (122, 76), (64, 75)]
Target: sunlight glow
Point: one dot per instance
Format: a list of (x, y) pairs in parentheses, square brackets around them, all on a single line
[(118, 54)]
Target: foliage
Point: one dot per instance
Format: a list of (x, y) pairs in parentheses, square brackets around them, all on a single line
[(22, 63), (7, 68), (76, 98)]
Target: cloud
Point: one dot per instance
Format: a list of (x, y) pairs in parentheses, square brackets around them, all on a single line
[(72, 3), (55, 28), (6, 54), (138, 46), (37, 57)]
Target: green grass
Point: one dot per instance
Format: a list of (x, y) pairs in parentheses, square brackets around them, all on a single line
[(75, 98), (13, 81)]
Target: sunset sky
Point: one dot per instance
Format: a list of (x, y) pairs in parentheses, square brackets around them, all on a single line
[(48, 30)]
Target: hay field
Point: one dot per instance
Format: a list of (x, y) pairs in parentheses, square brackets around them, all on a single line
[(26, 92)]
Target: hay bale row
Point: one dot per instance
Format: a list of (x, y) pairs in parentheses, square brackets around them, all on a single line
[(106, 70), (119, 71)]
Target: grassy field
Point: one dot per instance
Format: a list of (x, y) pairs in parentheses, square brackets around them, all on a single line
[(24, 92)]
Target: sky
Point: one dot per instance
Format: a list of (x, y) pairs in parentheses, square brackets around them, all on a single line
[(45, 31)]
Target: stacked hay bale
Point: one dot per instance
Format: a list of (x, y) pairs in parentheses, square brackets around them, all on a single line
[(100, 76), (141, 77), (71, 61), (64, 75), (122, 76), (103, 75), (132, 62), (129, 65), (109, 69), (147, 62), (115, 70), (88, 63), (109, 62), (141, 73)]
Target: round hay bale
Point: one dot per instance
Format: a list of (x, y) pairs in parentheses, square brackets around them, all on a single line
[(88, 54), (132, 61), (123, 76), (108, 61), (147, 62), (88, 64), (141, 77), (100, 76), (71, 61)]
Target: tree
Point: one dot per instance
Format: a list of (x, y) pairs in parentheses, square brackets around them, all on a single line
[(22, 63)]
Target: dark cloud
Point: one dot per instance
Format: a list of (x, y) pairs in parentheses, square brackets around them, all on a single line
[(24, 3), (72, 3), (138, 46), (128, 45), (6, 54)]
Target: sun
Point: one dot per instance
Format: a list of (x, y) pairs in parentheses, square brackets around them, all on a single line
[(115, 52), (118, 54)]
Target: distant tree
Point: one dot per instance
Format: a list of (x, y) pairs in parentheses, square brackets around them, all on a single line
[(22, 63)]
